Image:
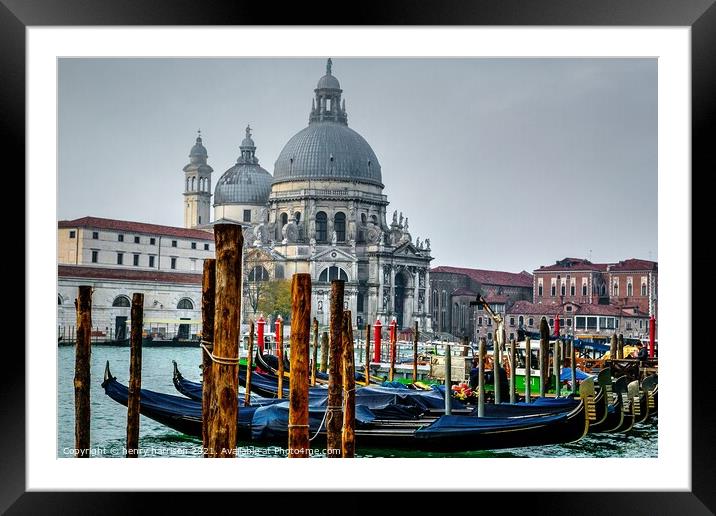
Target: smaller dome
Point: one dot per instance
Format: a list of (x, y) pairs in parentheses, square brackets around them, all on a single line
[(198, 150), (243, 184), (328, 82)]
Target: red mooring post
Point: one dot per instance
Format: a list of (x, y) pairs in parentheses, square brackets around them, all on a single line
[(652, 335), (261, 322), (377, 329), (393, 348)]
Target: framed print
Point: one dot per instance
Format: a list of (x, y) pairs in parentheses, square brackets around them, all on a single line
[(439, 149)]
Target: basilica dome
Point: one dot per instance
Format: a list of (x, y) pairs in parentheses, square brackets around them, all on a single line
[(246, 182), (328, 149)]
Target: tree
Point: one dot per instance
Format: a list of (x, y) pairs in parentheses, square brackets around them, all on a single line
[(275, 299)]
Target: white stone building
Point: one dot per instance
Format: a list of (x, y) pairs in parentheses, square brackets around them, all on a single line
[(118, 258), (323, 212)]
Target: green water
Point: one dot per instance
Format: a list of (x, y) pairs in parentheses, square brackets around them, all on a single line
[(109, 418)]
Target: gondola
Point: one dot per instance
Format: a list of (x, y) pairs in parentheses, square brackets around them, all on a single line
[(451, 433), (176, 412), (628, 394), (615, 409), (268, 423), (419, 402), (650, 386)]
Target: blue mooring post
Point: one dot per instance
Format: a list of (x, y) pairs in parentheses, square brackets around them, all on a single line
[(448, 377)]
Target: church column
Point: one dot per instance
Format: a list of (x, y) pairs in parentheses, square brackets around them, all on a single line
[(379, 301), (415, 291), (391, 301)]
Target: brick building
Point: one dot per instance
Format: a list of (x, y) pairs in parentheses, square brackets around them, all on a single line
[(453, 288), (591, 298)]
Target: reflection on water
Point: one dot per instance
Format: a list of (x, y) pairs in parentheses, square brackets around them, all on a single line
[(109, 419)]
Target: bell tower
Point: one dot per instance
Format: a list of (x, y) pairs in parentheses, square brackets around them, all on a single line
[(197, 187)]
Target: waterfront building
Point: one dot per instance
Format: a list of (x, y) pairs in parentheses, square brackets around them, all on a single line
[(631, 283), (118, 258), (324, 212), (454, 288)]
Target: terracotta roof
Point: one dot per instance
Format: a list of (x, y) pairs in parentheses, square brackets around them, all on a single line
[(511, 279), (573, 264), (105, 273), (463, 291), (135, 227), (634, 264), (586, 309), (494, 298), (527, 308)]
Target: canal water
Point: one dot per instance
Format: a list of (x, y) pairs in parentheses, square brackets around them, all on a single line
[(109, 418)]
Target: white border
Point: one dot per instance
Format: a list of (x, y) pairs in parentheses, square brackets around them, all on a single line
[(672, 470)]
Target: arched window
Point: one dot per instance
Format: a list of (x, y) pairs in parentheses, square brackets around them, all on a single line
[(193, 184), (321, 226), (187, 185), (339, 225), (374, 218), (530, 322), (630, 290), (121, 302), (615, 291), (297, 217), (333, 273), (521, 320), (185, 304), (363, 218), (258, 273)]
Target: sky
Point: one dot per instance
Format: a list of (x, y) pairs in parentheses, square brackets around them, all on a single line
[(505, 164)]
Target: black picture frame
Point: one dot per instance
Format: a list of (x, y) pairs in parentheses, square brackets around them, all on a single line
[(700, 15)]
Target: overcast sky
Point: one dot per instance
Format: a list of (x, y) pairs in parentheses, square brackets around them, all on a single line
[(504, 164)]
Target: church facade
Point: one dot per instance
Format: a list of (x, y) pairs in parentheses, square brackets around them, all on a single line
[(323, 211)]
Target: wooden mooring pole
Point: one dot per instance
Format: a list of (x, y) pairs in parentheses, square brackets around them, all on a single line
[(135, 375), (513, 369), (482, 353), (367, 354), (415, 352), (573, 364), (249, 364), (620, 347), (324, 352), (314, 357), (613, 347), (279, 354), (83, 304), (528, 370), (543, 358), (208, 287), (298, 443), (348, 438), (223, 408), (334, 418)]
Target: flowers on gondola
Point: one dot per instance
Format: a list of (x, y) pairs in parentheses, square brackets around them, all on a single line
[(463, 392)]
